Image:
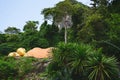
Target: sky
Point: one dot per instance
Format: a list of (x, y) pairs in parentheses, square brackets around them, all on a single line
[(16, 13)]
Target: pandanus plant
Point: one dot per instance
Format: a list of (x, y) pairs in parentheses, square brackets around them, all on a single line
[(101, 67)]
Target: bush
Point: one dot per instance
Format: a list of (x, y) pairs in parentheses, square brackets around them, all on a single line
[(101, 67), (15, 68), (73, 61), (6, 48), (7, 70), (69, 61), (24, 66)]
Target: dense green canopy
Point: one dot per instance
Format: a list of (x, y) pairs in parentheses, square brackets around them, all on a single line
[(77, 24)]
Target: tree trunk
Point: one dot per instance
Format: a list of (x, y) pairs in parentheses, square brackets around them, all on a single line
[(65, 34)]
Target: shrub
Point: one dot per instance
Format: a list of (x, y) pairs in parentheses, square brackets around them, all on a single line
[(7, 70), (101, 67), (79, 61), (69, 61), (5, 48), (15, 68)]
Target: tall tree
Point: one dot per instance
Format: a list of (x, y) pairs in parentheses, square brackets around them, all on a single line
[(98, 3), (31, 26), (101, 6), (50, 33), (114, 6), (12, 30), (61, 15)]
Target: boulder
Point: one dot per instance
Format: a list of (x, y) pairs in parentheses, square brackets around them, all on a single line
[(13, 54), (39, 52), (21, 51)]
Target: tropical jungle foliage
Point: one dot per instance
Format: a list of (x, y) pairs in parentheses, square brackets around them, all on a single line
[(90, 36), (81, 62)]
